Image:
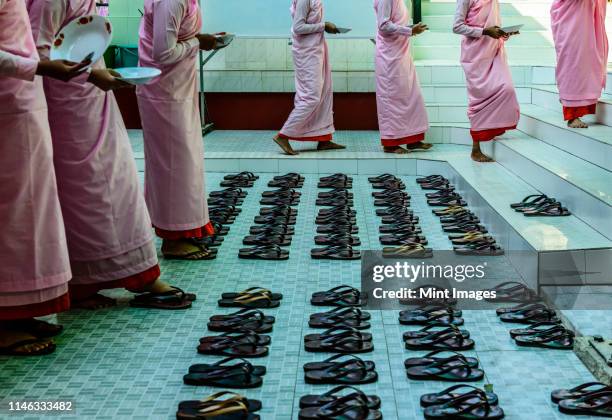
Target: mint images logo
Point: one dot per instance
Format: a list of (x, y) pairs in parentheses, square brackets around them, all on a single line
[(412, 272)]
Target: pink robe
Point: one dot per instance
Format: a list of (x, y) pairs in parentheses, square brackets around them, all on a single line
[(312, 118), (579, 31), (174, 150), (493, 107), (402, 117), (34, 267), (107, 224)]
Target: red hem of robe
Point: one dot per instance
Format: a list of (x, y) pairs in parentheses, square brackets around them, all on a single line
[(53, 306), (573, 112), (201, 232), (404, 140), (490, 134), (133, 283), (324, 137)]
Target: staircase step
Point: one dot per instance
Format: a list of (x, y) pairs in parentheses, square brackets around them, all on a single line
[(517, 54), (584, 188), (593, 144), (513, 8), (445, 37), (547, 96)]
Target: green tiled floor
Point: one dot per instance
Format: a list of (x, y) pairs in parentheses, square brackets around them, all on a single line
[(128, 363)]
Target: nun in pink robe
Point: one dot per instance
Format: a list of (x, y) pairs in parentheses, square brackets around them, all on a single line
[(579, 31), (174, 151), (312, 118), (402, 117), (34, 266), (493, 107), (109, 233)]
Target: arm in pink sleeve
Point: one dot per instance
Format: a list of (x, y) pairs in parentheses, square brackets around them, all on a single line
[(459, 25), (300, 27), (167, 49), (385, 25), (15, 66)]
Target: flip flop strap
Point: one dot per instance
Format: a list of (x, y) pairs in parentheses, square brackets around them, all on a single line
[(225, 407), (252, 298), (337, 389), (230, 371), (449, 390), (333, 335), (213, 397), (443, 336), (588, 385), (343, 341), (602, 399), (446, 365)]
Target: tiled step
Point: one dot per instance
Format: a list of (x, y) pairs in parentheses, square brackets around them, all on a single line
[(531, 23), (593, 144), (512, 8), (584, 188), (547, 97), (517, 54), (445, 37)]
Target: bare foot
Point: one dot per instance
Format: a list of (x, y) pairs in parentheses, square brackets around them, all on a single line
[(419, 146), (284, 144), (94, 302), (396, 149), (481, 157), (34, 346), (329, 145), (577, 123), (183, 249)]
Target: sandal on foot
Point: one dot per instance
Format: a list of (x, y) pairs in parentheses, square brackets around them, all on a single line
[(13, 349)]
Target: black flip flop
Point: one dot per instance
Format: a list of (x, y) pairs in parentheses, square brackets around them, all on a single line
[(550, 210), (347, 317), (535, 328), (557, 338), (349, 372), (250, 291), (530, 316), (598, 404), (529, 201), (472, 406), (337, 239), (445, 396), (264, 252), (229, 347), (241, 175), (209, 367), (255, 324), (239, 337), (278, 211), (235, 407), (263, 239), (403, 239), (244, 314), (383, 178), (338, 228), (228, 192), (439, 316), (347, 343), (432, 357), (451, 339), (453, 369), (272, 230), (339, 296), (513, 291), (433, 329), (335, 252), (373, 402), (349, 407), (336, 359), (337, 331), (579, 391), (279, 201), (225, 377)]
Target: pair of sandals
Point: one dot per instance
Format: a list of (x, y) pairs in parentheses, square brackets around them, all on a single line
[(436, 184), (527, 313), (434, 315), (353, 406), (344, 400), (461, 402), (544, 334), (225, 215), (174, 299), (437, 338), (408, 250), (243, 320), (42, 332), (336, 181), (338, 251), (341, 369), (344, 317), (339, 238), (252, 298), (239, 344), (239, 180), (513, 292), (231, 372), (339, 296), (228, 193), (343, 340), (289, 180), (589, 399), (540, 205), (232, 407), (484, 248), (454, 368)]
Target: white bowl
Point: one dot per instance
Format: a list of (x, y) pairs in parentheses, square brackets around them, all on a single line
[(138, 75), (83, 37)]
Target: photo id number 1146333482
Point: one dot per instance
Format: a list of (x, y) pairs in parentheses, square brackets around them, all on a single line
[(23, 406)]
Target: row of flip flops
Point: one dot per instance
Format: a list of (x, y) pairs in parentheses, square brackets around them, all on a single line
[(400, 227), (336, 223), (244, 335), (543, 328), (589, 399), (275, 225), (224, 207), (540, 205), (468, 235), (344, 335)]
